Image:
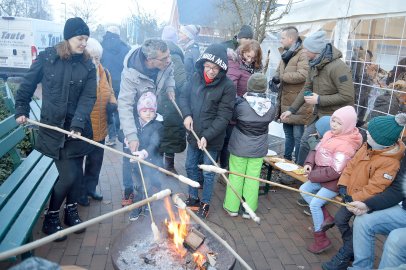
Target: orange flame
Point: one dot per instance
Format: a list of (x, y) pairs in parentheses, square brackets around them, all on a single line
[(199, 259), (178, 230)]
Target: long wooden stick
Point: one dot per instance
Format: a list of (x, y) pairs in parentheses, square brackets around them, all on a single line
[(211, 168), (30, 246), (154, 228), (244, 204), (181, 204), (181, 178)]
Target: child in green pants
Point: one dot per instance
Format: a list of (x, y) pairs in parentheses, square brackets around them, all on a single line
[(249, 143)]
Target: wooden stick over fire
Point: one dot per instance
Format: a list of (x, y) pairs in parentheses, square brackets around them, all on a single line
[(211, 168), (181, 178), (154, 228), (244, 204), (48, 239), (181, 204)]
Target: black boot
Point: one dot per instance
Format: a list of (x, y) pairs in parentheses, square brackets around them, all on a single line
[(52, 224), (170, 163), (340, 261), (72, 216)]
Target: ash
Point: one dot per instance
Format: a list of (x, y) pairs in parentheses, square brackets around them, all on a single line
[(147, 254)]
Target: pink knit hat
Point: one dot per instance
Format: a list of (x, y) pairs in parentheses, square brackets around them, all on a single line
[(147, 101), (348, 116)]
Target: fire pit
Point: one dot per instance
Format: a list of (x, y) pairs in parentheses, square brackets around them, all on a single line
[(134, 247)]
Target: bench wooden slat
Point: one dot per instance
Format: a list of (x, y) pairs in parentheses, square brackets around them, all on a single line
[(11, 140), (28, 217), (17, 177), (20, 197), (7, 125)]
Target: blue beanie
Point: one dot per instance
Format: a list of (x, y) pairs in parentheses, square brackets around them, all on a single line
[(316, 42), (323, 125), (386, 130)]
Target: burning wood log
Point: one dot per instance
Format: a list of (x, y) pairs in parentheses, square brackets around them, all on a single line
[(211, 168), (181, 204), (181, 178), (194, 239)]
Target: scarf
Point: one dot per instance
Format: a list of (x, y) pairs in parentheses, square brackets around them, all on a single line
[(207, 79), (288, 54), (318, 59)]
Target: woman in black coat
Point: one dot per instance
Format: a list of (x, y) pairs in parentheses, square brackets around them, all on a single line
[(68, 79)]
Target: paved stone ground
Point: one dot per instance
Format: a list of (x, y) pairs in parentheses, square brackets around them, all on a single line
[(279, 242)]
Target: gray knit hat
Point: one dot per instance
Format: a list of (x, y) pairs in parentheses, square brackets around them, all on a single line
[(191, 30), (257, 83), (316, 42), (246, 32)]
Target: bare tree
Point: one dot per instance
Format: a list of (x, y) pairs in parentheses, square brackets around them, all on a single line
[(257, 13), (25, 8), (85, 9)]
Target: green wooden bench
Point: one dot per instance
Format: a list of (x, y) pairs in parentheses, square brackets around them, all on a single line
[(25, 192)]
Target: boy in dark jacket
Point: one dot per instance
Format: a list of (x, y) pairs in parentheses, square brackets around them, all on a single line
[(207, 106), (149, 132)]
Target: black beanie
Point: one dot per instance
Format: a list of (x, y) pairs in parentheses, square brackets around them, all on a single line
[(75, 27), (246, 32), (215, 53)]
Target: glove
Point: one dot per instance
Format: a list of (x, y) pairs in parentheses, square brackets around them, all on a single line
[(276, 80), (342, 191), (143, 154), (347, 198)]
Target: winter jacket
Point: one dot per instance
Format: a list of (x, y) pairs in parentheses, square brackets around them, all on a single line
[(114, 52), (149, 137), (331, 79), (68, 97), (105, 94), (192, 53), (292, 77), (238, 72), (331, 156), (250, 135), (371, 171), (211, 105), (393, 194), (134, 83), (174, 134)]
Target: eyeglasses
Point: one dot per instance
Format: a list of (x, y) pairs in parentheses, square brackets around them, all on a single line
[(212, 68)]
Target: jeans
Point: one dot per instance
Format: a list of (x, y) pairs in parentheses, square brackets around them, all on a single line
[(315, 204), (293, 135), (304, 148), (342, 221), (127, 170), (93, 164), (390, 221), (114, 126), (193, 157)]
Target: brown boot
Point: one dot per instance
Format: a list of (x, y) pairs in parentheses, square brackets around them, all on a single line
[(320, 244), (170, 163), (328, 221)]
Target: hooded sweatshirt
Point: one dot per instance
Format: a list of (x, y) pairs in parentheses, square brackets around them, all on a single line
[(210, 105)]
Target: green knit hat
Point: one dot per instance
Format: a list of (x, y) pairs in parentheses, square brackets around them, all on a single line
[(386, 130)]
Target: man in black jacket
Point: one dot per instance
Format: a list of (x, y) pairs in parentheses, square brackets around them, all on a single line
[(384, 213), (207, 106)]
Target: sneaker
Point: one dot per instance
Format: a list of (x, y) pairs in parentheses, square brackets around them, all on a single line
[(246, 215), (231, 214), (110, 142), (338, 262), (193, 204), (135, 214), (302, 202), (307, 211), (203, 210), (127, 198)]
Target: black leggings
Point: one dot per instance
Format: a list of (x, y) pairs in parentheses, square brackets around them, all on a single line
[(68, 183)]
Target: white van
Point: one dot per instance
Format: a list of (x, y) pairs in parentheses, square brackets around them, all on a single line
[(21, 39)]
